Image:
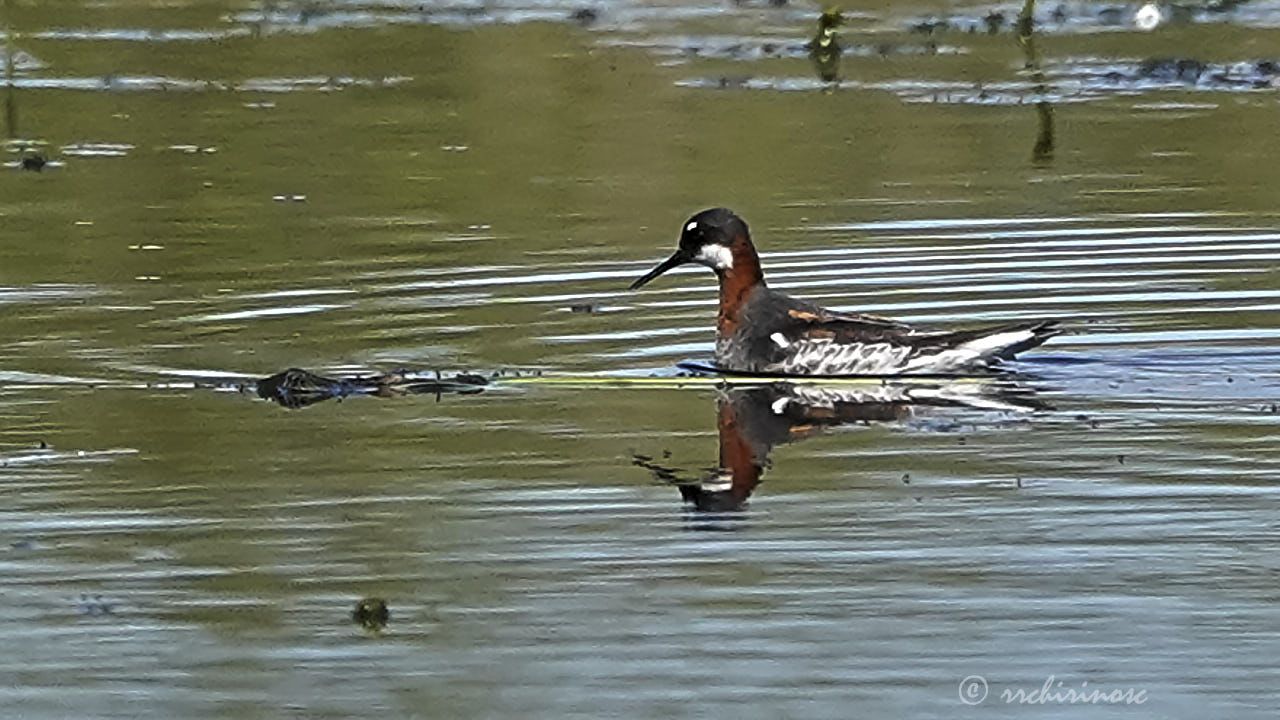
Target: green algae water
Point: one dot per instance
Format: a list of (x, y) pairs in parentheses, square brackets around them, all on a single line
[(226, 190)]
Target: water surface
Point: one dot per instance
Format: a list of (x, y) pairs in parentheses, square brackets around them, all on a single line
[(236, 188)]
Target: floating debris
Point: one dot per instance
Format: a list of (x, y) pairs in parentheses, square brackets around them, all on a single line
[(32, 155), (34, 162), (825, 48), (371, 614), (296, 388), (1148, 17)]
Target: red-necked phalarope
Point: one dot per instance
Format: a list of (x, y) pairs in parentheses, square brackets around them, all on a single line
[(763, 330)]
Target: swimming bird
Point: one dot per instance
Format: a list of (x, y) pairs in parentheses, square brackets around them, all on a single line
[(761, 330)]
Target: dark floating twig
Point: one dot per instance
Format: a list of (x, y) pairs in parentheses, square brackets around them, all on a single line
[(297, 388)]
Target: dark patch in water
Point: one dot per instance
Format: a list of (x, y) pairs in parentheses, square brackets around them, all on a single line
[(584, 16), (1183, 72), (1079, 80), (95, 605)]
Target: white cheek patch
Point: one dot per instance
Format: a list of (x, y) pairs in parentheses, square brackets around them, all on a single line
[(715, 256), (691, 226)]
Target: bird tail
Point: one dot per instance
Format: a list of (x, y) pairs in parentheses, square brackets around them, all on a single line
[(1004, 341)]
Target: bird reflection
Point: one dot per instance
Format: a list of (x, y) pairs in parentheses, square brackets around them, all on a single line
[(753, 420)]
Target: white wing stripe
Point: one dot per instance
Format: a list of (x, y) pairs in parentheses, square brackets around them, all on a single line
[(828, 357)]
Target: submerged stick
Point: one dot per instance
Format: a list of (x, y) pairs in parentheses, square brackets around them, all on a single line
[(10, 104), (1042, 150)]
